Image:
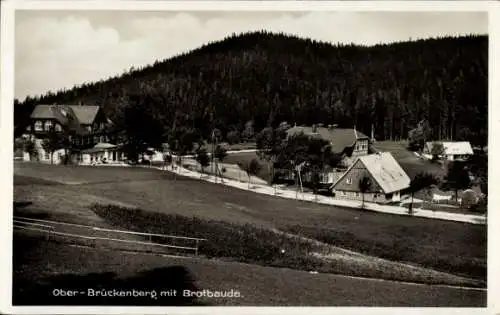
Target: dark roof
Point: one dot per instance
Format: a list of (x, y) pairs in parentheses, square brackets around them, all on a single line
[(72, 116), (85, 114), (340, 138)]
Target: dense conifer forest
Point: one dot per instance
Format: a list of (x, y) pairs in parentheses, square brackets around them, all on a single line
[(269, 78)]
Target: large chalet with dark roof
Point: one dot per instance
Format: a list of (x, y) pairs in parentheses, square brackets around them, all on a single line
[(347, 142), (85, 125)]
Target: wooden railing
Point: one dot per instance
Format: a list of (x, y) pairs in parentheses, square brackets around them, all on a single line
[(55, 228)]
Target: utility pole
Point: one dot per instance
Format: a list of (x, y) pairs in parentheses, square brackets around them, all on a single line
[(214, 170), (213, 142)]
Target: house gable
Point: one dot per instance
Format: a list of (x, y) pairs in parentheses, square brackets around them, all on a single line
[(351, 178), (384, 171), (85, 114)]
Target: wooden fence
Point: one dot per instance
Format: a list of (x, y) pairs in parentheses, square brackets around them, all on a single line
[(56, 228)]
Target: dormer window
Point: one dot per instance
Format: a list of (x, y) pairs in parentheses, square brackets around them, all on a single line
[(348, 181), (58, 128), (48, 125)]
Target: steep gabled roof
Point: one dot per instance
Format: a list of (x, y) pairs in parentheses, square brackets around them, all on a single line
[(385, 170), (340, 138), (71, 116), (85, 114)]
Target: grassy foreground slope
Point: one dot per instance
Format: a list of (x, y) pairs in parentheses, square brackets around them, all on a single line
[(443, 245), (42, 266)]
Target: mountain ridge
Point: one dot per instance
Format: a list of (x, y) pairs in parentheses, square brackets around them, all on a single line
[(269, 78)]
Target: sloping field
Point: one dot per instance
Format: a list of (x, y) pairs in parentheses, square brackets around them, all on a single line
[(42, 266), (448, 246), (407, 159)]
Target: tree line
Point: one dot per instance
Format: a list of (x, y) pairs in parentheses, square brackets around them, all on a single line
[(251, 81)]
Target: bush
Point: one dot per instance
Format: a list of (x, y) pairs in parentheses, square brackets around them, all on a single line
[(469, 199), (249, 244), (481, 206), (399, 249), (245, 243), (233, 137)]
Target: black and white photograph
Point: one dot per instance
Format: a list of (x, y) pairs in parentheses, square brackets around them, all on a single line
[(239, 157)]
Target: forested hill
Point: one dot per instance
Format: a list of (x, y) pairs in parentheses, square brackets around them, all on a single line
[(270, 78)]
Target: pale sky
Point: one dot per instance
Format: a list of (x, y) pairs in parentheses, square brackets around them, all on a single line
[(58, 49)]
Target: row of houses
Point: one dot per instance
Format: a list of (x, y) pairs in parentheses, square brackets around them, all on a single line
[(388, 180), (89, 131)]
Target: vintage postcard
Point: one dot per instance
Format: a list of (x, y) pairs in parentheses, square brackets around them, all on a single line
[(168, 157)]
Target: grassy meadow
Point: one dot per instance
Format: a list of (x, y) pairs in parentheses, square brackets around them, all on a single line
[(453, 247)]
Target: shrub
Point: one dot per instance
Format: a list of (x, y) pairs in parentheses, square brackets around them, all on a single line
[(249, 244), (233, 137), (469, 199), (481, 206), (245, 243), (403, 249)]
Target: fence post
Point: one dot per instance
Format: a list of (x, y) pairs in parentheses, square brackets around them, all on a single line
[(196, 249)]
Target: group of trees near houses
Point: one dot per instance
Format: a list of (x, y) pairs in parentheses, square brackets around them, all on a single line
[(298, 153), (250, 81)]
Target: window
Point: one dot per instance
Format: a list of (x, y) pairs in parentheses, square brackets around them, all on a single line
[(38, 126), (348, 181), (58, 127), (324, 178), (48, 125), (47, 155), (357, 194)]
